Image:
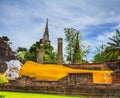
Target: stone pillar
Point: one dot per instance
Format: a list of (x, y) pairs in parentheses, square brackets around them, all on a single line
[(59, 61), (41, 52)]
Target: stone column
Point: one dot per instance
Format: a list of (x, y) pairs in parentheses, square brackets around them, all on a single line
[(59, 61), (41, 52)]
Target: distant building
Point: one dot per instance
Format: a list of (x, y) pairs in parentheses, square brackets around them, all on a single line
[(46, 34), (44, 40)]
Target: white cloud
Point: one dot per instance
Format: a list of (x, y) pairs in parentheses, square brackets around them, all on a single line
[(117, 27), (104, 37), (24, 20)]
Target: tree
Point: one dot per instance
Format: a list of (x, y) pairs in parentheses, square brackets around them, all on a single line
[(30, 57), (77, 58), (49, 54), (21, 49), (3, 81), (115, 40), (109, 52), (74, 49), (99, 57), (113, 49), (70, 34), (32, 52), (34, 47), (21, 52)]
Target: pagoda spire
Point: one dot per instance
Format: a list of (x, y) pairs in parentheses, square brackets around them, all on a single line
[(46, 33)]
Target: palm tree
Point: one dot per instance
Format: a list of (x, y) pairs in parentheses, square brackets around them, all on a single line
[(99, 57), (113, 50), (115, 39)]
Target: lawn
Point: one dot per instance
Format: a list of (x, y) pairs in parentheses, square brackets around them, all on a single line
[(31, 95)]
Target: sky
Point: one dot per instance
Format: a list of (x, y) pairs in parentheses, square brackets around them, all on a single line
[(23, 21)]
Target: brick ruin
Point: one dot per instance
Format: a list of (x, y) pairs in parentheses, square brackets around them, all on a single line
[(111, 65), (116, 77), (74, 84), (6, 54), (71, 79), (3, 67)]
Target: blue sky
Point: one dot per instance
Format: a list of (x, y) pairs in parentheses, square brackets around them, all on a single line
[(23, 21)]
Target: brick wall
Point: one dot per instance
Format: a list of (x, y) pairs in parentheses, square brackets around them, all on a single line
[(71, 79), (80, 78), (73, 84), (116, 77), (92, 66), (3, 67), (76, 79), (93, 91), (111, 65), (5, 51), (6, 54)]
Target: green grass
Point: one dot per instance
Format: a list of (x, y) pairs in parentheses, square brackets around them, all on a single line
[(32, 95)]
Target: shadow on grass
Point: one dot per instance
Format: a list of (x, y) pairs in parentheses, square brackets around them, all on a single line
[(2, 96)]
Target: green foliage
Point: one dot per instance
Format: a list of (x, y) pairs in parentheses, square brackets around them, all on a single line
[(49, 55), (21, 52), (21, 49), (30, 57), (112, 54), (31, 54), (113, 50), (20, 56), (77, 58), (5, 39), (99, 57), (34, 48), (85, 52), (115, 40), (74, 50), (70, 34), (3, 81)]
